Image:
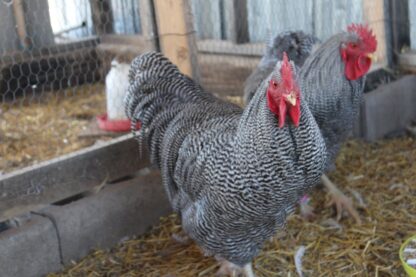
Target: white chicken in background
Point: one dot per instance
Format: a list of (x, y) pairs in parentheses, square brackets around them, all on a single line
[(116, 84)]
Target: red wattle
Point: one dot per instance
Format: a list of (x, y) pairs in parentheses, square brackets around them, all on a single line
[(355, 65), (353, 70), (294, 113), (282, 113), (364, 63)]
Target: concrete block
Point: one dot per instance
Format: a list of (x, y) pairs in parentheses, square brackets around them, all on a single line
[(118, 211), (31, 250), (389, 109), (99, 220)]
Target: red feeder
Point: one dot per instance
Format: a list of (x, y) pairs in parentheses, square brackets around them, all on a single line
[(122, 125)]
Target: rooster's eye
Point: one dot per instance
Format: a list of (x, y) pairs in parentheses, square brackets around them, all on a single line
[(274, 84)]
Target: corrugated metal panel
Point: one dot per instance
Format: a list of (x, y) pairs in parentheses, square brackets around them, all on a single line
[(274, 16), (207, 18), (268, 17), (412, 17), (331, 16), (126, 16)]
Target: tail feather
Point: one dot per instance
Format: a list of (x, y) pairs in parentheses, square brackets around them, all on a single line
[(157, 93), (168, 105), (157, 132)]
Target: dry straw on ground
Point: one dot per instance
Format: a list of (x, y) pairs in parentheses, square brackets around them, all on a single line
[(379, 176), (42, 128)]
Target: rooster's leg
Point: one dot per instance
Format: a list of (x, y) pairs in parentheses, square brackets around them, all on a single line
[(340, 200), (232, 270), (248, 270)]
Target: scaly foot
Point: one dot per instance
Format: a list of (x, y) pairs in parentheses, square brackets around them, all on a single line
[(340, 200)]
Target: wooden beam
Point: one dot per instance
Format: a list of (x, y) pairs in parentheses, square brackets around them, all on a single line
[(102, 16), (229, 48), (19, 16), (35, 187), (373, 12), (237, 16), (177, 35)]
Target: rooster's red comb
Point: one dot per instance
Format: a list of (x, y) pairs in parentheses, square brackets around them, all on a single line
[(286, 72), (365, 34)]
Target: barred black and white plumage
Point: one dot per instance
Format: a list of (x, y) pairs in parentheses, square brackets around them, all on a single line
[(333, 100), (232, 174), (296, 44)]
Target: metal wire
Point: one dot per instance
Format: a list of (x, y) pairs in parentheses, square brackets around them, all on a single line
[(58, 46)]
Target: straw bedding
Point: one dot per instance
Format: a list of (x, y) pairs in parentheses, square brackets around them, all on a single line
[(41, 128), (380, 177)]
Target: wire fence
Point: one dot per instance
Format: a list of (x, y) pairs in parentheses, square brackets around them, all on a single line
[(55, 56)]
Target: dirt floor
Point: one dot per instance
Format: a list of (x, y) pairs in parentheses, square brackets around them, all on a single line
[(380, 177)]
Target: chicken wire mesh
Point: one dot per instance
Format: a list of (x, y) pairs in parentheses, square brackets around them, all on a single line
[(52, 44), (65, 49), (54, 59)]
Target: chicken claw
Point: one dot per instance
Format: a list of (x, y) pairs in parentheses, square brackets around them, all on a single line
[(306, 210), (340, 200), (232, 270)]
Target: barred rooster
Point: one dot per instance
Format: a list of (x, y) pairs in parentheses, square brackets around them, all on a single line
[(298, 47), (233, 175), (332, 79)]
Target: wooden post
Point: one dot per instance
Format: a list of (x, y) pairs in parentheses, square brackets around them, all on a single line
[(177, 35), (19, 15), (102, 16), (373, 11), (237, 28), (147, 21)]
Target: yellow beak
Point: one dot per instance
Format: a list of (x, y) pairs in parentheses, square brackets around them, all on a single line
[(372, 57), (291, 98)]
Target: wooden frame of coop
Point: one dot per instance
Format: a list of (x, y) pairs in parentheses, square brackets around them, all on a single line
[(50, 189)]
